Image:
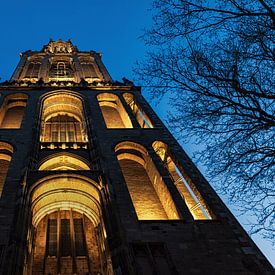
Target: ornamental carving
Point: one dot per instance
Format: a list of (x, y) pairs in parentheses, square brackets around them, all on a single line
[(59, 47)]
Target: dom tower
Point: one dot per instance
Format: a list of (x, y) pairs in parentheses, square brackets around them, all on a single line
[(92, 182)]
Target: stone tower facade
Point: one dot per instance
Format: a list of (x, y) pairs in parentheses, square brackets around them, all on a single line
[(92, 182)]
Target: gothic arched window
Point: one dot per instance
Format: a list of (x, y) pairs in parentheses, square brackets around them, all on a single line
[(149, 194), (113, 111), (12, 111), (186, 188), (60, 69), (140, 115), (63, 120)]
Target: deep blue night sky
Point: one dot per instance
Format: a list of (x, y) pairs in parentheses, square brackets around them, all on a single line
[(111, 27)]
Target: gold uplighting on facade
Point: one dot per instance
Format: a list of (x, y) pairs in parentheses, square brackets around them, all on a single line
[(141, 117), (187, 189), (93, 183), (149, 194), (64, 161), (65, 192), (63, 119), (12, 111), (66, 215), (113, 111)]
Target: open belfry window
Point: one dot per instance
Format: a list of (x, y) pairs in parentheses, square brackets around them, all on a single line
[(113, 111), (66, 244), (12, 111), (143, 120), (150, 196), (186, 188), (63, 120), (63, 128)]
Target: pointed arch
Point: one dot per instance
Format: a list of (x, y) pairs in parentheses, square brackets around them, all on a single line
[(64, 161), (12, 111), (63, 118), (149, 194), (113, 111)]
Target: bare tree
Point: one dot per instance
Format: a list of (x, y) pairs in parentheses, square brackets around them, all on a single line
[(216, 59)]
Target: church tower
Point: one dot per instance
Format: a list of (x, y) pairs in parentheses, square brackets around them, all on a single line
[(92, 182)]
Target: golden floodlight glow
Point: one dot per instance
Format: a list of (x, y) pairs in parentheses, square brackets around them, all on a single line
[(186, 188), (63, 162), (113, 111), (150, 196), (12, 111), (62, 103), (63, 119), (64, 193), (143, 120)]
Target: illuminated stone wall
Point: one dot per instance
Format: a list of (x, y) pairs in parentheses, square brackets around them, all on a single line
[(143, 194), (139, 214), (13, 117), (12, 111), (113, 111), (54, 265), (185, 186), (112, 117)]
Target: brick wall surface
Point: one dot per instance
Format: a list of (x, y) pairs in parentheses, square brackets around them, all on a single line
[(143, 194), (112, 117), (13, 117)]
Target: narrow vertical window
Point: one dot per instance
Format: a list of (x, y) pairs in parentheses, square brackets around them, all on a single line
[(33, 70), (52, 237), (6, 151), (61, 69), (140, 115), (79, 238), (186, 188), (65, 238)]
